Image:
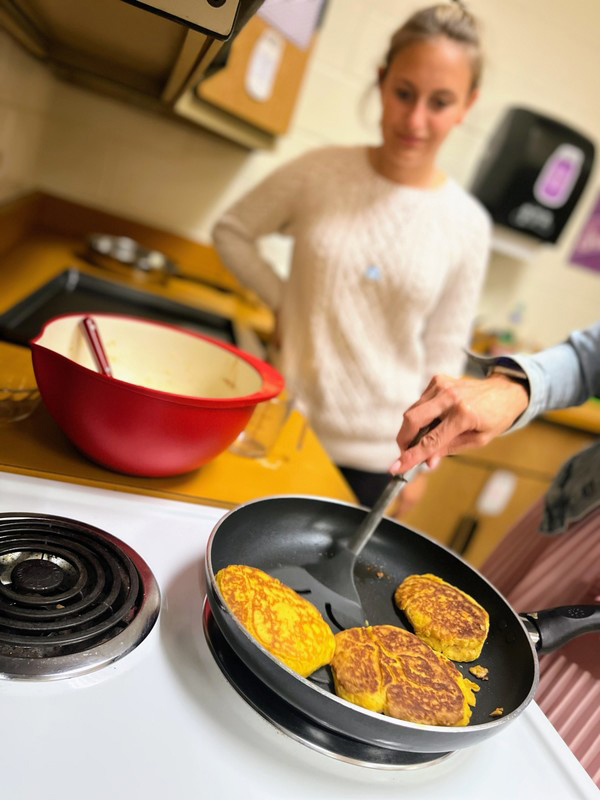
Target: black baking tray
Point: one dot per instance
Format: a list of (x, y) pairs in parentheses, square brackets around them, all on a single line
[(74, 292)]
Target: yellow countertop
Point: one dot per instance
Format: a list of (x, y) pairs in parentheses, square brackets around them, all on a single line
[(585, 417), (297, 464), (45, 255), (32, 253)]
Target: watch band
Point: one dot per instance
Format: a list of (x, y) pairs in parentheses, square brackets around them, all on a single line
[(502, 365), (516, 373)]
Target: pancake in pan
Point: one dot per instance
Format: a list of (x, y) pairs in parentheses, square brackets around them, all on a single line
[(443, 616), (387, 669), (282, 621)]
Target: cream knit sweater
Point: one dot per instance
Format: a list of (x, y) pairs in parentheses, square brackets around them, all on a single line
[(381, 295)]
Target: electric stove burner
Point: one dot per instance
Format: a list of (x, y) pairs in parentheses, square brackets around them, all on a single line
[(72, 597), (288, 720)]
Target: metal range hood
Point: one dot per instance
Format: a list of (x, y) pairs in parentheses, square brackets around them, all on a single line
[(213, 17), (145, 52)]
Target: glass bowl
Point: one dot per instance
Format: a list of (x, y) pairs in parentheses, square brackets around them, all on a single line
[(19, 394), (17, 404)]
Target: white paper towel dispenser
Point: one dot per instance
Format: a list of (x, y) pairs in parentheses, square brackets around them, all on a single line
[(533, 173)]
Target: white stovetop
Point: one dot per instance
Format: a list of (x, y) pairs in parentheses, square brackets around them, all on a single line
[(164, 723)]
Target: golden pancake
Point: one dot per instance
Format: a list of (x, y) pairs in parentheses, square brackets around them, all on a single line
[(444, 617), (282, 621), (389, 670)]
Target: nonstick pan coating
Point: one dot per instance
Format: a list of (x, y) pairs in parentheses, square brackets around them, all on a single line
[(276, 531)]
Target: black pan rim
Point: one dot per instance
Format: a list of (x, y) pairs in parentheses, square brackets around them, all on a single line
[(473, 730)]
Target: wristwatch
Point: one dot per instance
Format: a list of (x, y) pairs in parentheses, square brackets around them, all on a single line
[(514, 372), (500, 365)]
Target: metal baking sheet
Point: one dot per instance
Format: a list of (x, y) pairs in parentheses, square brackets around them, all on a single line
[(73, 292)]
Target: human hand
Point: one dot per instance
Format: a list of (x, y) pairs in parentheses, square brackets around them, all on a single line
[(471, 413)]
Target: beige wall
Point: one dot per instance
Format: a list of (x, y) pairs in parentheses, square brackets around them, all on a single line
[(25, 93), (540, 53)]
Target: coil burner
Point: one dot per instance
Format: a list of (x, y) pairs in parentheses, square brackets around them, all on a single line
[(72, 597)]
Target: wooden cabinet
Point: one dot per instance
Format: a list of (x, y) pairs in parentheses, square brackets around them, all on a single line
[(227, 89), (225, 102), (449, 509)]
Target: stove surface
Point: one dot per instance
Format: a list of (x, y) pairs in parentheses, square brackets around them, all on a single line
[(163, 721)]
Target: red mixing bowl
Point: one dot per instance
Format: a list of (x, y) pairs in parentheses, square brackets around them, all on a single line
[(177, 399)]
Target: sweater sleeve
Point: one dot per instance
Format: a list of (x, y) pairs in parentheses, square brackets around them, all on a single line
[(447, 330), (268, 208)]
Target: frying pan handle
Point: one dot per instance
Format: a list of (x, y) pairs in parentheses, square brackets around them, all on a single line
[(557, 626)]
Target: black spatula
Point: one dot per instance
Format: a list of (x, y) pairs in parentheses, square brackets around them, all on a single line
[(329, 583)]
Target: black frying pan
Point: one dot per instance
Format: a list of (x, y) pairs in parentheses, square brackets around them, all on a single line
[(278, 531)]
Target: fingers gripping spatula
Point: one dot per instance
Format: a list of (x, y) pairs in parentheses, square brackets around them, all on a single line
[(329, 583)]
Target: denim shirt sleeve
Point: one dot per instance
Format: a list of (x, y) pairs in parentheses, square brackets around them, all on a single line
[(559, 377)]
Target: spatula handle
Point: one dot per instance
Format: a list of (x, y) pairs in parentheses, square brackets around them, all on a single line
[(92, 336), (373, 518), (396, 484)]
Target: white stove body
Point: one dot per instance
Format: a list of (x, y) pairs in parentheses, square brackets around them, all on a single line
[(164, 722)]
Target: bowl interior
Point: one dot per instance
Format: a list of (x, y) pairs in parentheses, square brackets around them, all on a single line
[(156, 357)]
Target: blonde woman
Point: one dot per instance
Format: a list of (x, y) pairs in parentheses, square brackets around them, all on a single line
[(389, 253)]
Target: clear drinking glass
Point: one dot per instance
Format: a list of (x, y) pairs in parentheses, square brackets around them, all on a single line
[(263, 428)]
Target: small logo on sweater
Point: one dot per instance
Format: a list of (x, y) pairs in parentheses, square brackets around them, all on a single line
[(373, 273)]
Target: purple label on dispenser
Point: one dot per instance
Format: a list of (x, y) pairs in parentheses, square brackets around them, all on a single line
[(587, 249), (558, 176)]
